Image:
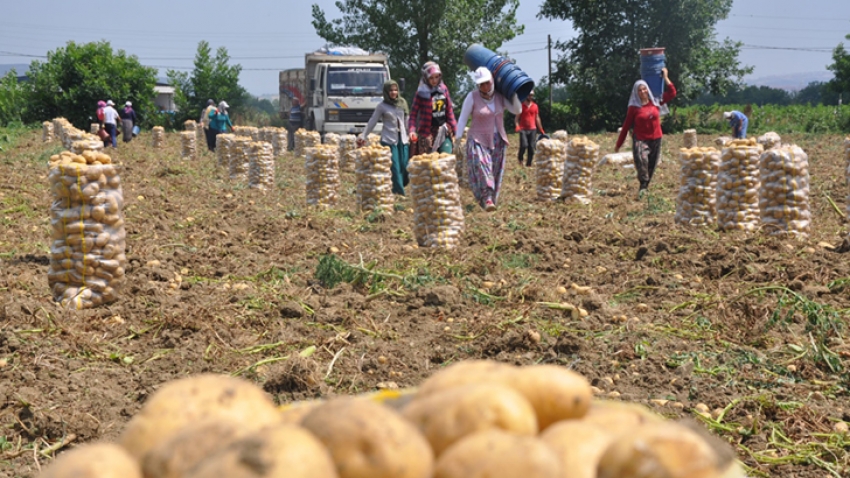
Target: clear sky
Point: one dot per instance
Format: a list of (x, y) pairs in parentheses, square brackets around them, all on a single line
[(265, 36)]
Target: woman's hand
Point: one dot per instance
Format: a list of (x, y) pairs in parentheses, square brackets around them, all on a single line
[(414, 137), (664, 75)]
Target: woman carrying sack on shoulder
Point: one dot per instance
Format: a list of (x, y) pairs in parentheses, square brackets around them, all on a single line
[(486, 139), (644, 115), (432, 122), (393, 112)]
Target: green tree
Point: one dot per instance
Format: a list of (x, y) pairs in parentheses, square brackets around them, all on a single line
[(213, 78), (816, 93), (412, 32), (13, 98), (601, 63), (74, 78), (841, 68)]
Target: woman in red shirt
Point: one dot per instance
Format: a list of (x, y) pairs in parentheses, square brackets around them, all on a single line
[(644, 116)]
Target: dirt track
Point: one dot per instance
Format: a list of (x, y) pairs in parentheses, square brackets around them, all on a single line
[(223, 279)]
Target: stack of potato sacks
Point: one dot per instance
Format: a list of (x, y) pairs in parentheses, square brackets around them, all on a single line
[(158, 137), (784, 192), (240, 151), (94, 128), (200, 138), (261, 165), (696, 204), (224, 149), (549, 168), (188, 145), (347, 145), (473, 419), (47, 131), (322, 169), (306, 139), (690, 138), (437, 211), (88, 142), (770, 140), (561, 135), (279, 140), (87, 254), (738, 185), (582, 156), (59, 125), (373, 178), (189, 125)]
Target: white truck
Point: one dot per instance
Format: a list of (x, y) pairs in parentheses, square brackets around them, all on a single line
[(341, 90)]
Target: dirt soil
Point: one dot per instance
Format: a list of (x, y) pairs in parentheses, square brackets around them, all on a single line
[(223, 279)]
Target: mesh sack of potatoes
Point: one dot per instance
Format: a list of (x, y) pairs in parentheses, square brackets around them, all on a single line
[(722, 141), (561, 135), (617, 159), (240, 149), (696, 203), (200, 137), (261, 166), (46, 131), (784, 192), (94, 128), (188, 143), (279, 141), (223, 149), (189, 125), (158, 137), (253, 132), (322, 168), (738, 185), (770, 140), (582, 156), (89, 142), (437, 211), (690, 138), (373, 139), (306, 139), (347, 144), (86, 215), (334, 139), (373, 178), (460, 163), (549, 168), (239, 130)]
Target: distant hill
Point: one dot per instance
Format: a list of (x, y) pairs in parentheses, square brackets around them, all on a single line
[(791, 81), (20, 68)]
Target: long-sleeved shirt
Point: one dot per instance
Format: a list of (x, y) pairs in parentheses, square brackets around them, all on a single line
[(423, 111), (219, 121), (129, 114), (110, 116), (394, 119), (646, 120), (513, 105), (205, 115)]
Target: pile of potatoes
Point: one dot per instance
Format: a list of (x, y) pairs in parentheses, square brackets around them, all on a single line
[(373, 180), (696, 204), (224, 149), (784, 192), (188, 145), (190, 125), (158, 137), (279, 140), (261, 165), (46, 132), (306, 139), (473, 419), (769, 140), (94, 128), (738, 185), (690, 138), (549, 168), (322, 170), (460, 164), (561, 135), (240, 150), (87, 255), (437, 211), (582, 156), (347, 144), (87, 143)]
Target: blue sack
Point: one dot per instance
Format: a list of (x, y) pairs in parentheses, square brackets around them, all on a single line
[(136, 130)]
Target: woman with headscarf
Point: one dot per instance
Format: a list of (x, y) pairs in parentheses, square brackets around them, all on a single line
[(128, 120), (393, 113), (644, 117), (432, 122), (219, 121), (486, 139)]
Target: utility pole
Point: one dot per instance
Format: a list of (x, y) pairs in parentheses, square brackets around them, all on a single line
[(549, 47)]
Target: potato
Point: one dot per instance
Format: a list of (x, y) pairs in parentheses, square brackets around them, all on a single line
[(177, 455), (182, 402), (100, 460), (662, 450), (555, 392), (578, 445), (449, 415), (468, 371), (498, 454), (294, 413), (368, 440), (617, 418), (279, 451)]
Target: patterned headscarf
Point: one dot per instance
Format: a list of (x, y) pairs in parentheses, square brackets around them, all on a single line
[(425, 89), (398, 100)]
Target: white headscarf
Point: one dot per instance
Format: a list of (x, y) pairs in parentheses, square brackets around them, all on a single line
[(634, 99)]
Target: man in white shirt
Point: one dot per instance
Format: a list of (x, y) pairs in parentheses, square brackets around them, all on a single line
[(110, 122)]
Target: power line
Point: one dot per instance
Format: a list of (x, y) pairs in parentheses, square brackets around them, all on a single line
[(764, 47)]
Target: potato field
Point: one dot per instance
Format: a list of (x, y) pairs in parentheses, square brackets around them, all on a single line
[(742, 332)]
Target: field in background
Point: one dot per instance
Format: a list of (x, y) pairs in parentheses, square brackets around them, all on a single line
[(226, 279)]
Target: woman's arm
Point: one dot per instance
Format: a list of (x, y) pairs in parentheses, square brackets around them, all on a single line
[(669, 90), (379, 110), (450, 114), (465, 112), (627, 125)]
